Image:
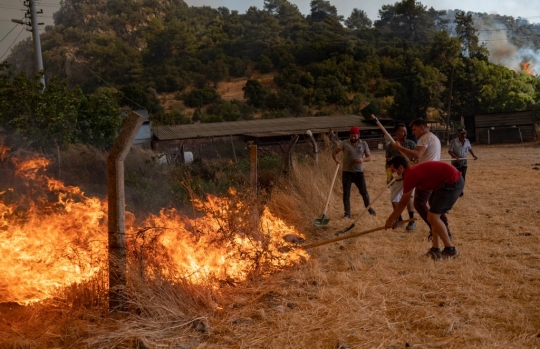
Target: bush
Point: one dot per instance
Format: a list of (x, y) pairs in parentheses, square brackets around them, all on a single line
[(200, 97)]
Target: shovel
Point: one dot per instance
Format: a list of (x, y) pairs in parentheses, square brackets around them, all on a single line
[(323, 220), (367, 208)]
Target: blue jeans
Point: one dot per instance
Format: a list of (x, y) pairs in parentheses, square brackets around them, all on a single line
[(348, 178)]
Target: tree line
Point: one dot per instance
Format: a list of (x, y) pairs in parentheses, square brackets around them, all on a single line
[(413, 62)]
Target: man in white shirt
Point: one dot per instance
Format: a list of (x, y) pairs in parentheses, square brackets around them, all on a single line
[(458, 150), (428, 148)]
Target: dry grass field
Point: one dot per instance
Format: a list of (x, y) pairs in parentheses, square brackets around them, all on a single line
[(373, 291), (379, 291)]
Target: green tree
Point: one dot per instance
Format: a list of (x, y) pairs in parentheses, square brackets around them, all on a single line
[(358, 20), (407, 19), (255, 93), (57, 116), (467, 34), (420, 89), (321, 9), (200, 97)]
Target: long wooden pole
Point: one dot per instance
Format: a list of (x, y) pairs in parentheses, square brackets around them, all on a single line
[(349, 236)]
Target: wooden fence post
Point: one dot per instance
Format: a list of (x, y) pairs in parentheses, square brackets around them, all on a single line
[(287, 157), (253, 165)]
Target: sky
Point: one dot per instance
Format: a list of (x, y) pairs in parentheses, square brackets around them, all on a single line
[(11, 33)]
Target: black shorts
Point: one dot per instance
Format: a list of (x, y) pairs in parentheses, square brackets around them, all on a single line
[(443, 199)]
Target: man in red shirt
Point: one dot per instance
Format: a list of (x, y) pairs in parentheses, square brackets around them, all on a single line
[(446, 183)]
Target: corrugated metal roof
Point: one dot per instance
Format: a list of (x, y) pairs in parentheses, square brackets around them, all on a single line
[(259, 127)]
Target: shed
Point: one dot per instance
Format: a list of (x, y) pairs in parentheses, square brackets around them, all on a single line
[(222, 139), (144, 136), (509, 127)]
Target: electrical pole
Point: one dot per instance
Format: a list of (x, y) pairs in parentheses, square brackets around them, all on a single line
[(32, 22), (449, 107)]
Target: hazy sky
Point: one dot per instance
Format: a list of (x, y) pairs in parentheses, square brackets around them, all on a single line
[(14, 9)]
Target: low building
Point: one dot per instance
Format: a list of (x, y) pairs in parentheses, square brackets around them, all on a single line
[(493, 128), (229, 139)]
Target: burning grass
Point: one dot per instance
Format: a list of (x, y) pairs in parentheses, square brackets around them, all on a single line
[(376, 291)]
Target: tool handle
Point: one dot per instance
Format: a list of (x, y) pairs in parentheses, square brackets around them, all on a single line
[(324, 242), (381, 127), (452, 159), (373, 201), (331, 188)]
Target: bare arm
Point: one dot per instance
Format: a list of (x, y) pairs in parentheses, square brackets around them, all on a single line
[(413, 154), (398, 209), (366, 158), (474, 156)]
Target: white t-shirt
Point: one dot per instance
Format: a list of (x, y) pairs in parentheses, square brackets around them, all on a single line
[(432, 145)]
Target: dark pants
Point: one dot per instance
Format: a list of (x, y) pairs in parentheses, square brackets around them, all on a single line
[(463, 170), (421, 199), (348, 178)]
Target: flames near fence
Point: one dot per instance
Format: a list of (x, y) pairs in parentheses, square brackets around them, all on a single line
[(53, 237)]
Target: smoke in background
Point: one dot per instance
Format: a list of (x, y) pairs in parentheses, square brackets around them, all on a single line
[(503, 52)]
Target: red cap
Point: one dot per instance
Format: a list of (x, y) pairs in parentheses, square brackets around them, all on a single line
[(355, 130)]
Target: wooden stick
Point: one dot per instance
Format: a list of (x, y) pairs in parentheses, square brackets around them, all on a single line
[(367, 208), (324, 242), (382, 128), (452, 159)]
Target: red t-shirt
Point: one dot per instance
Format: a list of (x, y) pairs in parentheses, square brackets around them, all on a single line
[(429, 175)]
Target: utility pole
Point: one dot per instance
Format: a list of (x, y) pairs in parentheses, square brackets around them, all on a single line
[(32, 22), (449, 107)]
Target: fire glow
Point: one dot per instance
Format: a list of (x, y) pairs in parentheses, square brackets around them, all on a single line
[(53, 236), (526, 67)]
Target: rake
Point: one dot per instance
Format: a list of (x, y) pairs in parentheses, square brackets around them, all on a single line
[(367, 208), (323, 220)]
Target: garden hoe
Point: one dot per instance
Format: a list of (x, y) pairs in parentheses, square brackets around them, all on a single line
[(323, 220), (367, 208)]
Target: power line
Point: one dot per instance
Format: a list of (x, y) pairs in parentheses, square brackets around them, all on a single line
[(12, 43), (9, 32), (100, 78)]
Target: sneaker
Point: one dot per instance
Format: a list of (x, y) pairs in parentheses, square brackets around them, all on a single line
[(411, 226), (434, 253), (346, 216), (449, 253), (372, 211)]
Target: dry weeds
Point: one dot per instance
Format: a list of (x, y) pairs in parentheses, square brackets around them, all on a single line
[(375, 291)]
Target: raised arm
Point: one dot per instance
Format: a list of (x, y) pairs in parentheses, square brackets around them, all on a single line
[(416, 153)]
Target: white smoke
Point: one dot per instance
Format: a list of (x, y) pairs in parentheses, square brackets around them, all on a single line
[(502, 51)]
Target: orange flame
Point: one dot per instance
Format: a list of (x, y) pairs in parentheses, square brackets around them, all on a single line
[(526, 68), (53, 236)]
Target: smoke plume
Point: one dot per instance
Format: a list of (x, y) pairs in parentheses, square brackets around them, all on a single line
[(505, 53)]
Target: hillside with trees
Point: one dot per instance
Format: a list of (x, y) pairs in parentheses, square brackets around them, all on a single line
[(412, 62)]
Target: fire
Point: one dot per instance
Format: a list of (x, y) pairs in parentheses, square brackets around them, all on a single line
[(53, 236), (526, 68)]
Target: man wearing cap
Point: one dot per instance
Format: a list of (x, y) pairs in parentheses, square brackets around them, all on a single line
[(458, 151), (355, 153)]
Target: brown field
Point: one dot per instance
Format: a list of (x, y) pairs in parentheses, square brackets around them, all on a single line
[(374, 291)]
